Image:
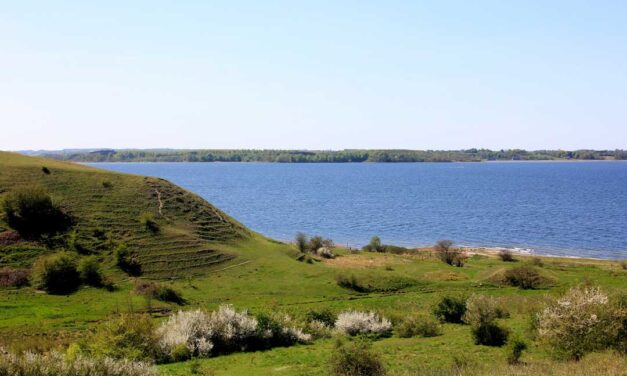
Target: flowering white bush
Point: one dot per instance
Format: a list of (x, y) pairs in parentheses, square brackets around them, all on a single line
[(231, 329), (325, 252), (578, 322), (188, 328), (55, 364), (355, 322)]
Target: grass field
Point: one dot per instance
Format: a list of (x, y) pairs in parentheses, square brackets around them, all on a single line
[(213, 260)]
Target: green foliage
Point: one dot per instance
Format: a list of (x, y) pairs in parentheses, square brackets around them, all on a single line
[(301, 242), (356, 359), (524, 276), (365, 283), (514, 349), (32, 213), (420, 325), (128, 336), (374, 245), (180, 353), (90, 271), (450, 309), (56, 273)]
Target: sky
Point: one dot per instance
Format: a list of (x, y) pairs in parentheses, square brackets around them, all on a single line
[(532, 74)]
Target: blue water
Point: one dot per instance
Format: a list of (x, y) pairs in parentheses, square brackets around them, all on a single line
[(576, 209)]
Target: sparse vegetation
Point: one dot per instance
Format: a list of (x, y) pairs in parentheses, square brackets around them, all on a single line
[(10, 277), (419, 325), (514, 349), (148, 221), (159, 291)]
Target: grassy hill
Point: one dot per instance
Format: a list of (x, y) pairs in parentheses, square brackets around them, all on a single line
[(214, 260), (108, 207)]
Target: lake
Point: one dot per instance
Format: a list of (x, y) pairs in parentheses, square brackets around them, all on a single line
[(558, 208)]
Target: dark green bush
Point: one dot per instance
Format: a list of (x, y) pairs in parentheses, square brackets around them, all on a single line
[(301, 242), (524, 276), (374, 245), (356, 359), (126, 261), (481, 314), (45, 170), (450, 309), (32, 213), (489, 334), (159, 291), (506, 255), (90, 271), (56, 273)]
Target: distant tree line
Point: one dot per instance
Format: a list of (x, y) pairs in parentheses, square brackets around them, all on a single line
[(331, 156)]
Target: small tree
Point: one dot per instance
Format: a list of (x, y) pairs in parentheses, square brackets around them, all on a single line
[(452, 256), (301, 242), (90, 271), (481, 314), (315, 243), (506, 255), (451, 309), (374, 245)]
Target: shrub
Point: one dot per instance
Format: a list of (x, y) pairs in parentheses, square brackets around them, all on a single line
[(514, 349), (356, 360), (481, 314), (231, 330), (315, 243), (186, 328), (56, 273), (451, 309), (580, 322), (32, 213), (524, 276), (278, 330), (325, 252), (13, 277), (301, 242), (537, 261), (107, 184), (129, 336), (126, 261), (363, 323), (90, 271), (422, 326), (45, 170), (159, 291), (350, 282), (148, 221), (506, 255), (449, 255), (54, 363)]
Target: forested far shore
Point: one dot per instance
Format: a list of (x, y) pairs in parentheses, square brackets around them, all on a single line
[(325, 156)]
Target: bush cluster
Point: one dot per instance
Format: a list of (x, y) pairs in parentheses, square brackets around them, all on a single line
[(223, 331), (126, 260), (448, 254), (316, 245), (128, 336), (57, 364), (63, 273), (363, 323), (32, 213)]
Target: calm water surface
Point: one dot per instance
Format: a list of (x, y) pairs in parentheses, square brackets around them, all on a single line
[(577, 209)]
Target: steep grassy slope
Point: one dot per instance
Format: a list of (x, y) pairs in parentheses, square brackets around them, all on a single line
[(107, 208)]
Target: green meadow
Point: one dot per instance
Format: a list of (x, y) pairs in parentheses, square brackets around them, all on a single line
[(213, 260)]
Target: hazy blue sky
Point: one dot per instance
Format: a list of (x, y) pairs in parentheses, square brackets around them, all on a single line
[(316, 75)]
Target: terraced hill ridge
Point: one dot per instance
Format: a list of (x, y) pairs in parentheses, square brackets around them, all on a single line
[(107, 208)]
